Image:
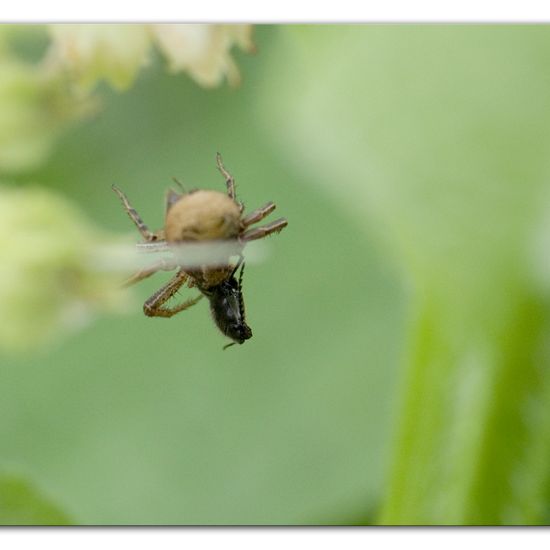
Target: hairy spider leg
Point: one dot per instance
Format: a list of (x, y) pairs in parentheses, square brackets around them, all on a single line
[(148, 235), (172, 197), (153, 247), (161, 265), (264, 230), (154, 306), (229, 179), (241, 301), (240, 262), (179, 184), (258, 214)]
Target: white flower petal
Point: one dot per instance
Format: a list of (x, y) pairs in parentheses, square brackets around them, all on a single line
[(94, 52), (203, 50)]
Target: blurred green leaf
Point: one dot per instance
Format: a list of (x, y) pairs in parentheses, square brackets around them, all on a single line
[(436, 139), (22, 504)]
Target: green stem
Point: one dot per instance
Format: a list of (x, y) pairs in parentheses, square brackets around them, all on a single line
[(473, 441)]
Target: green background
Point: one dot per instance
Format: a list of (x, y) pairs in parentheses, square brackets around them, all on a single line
[(398, 371), (138, 420)]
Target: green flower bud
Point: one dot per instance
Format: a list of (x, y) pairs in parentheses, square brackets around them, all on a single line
[(33, 110), (48, 282)]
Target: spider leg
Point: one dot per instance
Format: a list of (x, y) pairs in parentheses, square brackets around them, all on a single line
[(264, 230), (161, 265), (229, 179), (179, 184), (258, 214), (172, 197), (154, 306), (148, 235), (155, 246)]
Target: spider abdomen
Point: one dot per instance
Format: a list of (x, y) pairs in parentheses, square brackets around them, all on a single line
[(201, 216)]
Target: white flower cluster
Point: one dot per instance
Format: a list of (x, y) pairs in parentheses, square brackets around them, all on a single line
[(38, 100), (117, 52)]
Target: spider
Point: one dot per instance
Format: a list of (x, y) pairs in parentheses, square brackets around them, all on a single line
[(199, 216)]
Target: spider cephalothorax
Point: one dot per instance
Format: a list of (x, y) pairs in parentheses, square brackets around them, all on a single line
[(204, 216)]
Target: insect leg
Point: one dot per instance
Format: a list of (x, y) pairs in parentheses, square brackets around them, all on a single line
[(162, 265), (135, 217), (240, 262), (229, 179), (154, 306), (264, 230), (258, 214)]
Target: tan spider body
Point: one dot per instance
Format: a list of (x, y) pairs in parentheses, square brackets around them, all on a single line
[(200, 216)]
